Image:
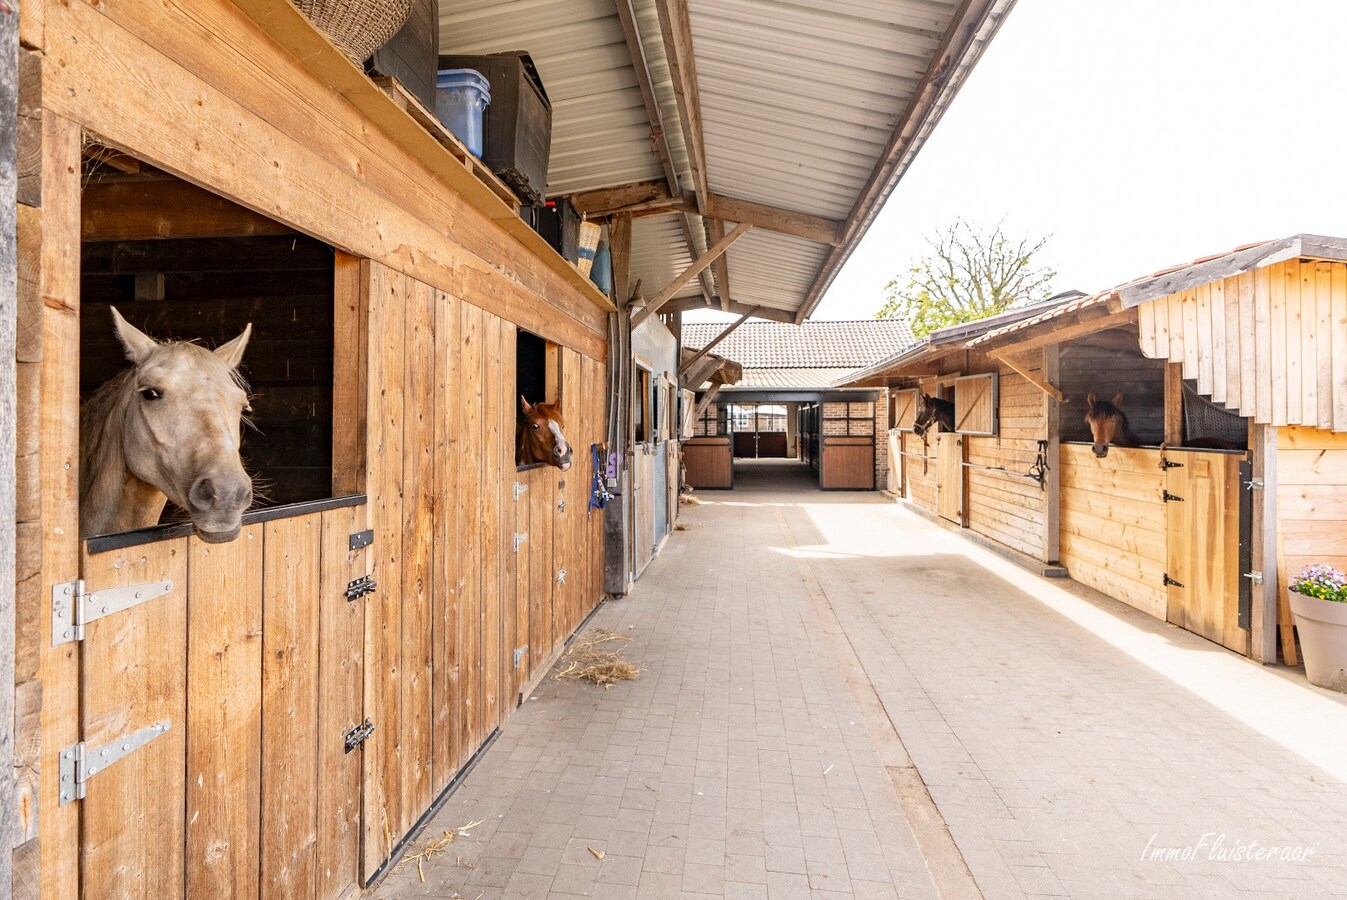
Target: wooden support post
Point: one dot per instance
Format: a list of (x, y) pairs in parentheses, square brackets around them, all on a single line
[(687, 275), (9, 94), (707, 399), (687, 366), (1174, 404), (1028, 376), (619, 245), (1052, 417), (1266, 597)]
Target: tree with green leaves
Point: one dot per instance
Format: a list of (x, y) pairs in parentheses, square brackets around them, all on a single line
[(968, 275)]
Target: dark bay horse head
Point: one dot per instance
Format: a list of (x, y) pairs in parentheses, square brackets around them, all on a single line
[(933, 411), (1108, 424), (538, 438)]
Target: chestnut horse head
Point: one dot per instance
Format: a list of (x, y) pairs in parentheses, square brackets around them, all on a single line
[(1108, 425), (538, 438), (933, 411), (168, 428)]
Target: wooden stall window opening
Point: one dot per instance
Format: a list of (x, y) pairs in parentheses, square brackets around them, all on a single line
[(903, 409), (641, 412), (181, 262), (538, 375)]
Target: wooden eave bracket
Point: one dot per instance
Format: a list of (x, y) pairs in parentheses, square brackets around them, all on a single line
[(1029, 376), (689, 273)]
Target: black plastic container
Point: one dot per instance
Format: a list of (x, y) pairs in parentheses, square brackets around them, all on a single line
[(518, 121), (411, 55), (559, 224)]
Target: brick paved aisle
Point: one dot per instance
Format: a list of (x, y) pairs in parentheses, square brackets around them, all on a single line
[(764, 751)]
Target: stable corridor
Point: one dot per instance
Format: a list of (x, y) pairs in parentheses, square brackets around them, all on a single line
[(838, 698)]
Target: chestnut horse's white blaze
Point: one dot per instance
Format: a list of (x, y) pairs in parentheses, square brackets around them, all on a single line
[(168, 428)]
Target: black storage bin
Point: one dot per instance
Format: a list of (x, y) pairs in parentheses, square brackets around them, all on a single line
[(518, 121), (411, 55), (559, 224)]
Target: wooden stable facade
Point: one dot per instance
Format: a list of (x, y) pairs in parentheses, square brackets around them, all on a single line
[(237, 121), (1248, 347)]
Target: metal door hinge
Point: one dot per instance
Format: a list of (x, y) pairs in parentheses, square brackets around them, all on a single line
[(1167, 496), (72, 607), (363, 585), (359, 734), (79, 763), (1169, 581), (1170, 464), (1255, 577), (362, 539), (1254, 484), (519, 488), (519, 654), (519, 539)]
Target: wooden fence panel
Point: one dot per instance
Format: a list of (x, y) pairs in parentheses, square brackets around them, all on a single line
[(133, 664), (223, 683), (341, 702), (292, 602)]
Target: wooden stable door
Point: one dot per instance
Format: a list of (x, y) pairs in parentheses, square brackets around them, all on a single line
[(950, 478), (217, 691), (1202, 513)]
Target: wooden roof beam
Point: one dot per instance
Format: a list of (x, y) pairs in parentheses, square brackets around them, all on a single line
[(1091, 321), (683, 304), (689, 273), (717, 339)]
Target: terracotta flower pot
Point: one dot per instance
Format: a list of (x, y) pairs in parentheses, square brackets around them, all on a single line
[(1322, 625)]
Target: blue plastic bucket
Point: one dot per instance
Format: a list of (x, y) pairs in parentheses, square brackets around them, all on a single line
[(461, 96)]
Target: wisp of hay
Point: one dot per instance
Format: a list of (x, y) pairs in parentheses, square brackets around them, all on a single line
[(586, 660)]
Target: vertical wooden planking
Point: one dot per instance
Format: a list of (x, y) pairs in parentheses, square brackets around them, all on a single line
[(490, 523), (133, 665), (417, 536), (596, 400), (1216, 301), (1276, 282), (469, 494), (1323, 331), (1206, 345), (1176, 335), (509, 418), (444, 620), (1338, 285), (1295, 346), (1146, 329), (1052, 486), (1192, 338), (1160, 310), (350, 376), (1247, 363), (58, 465), (523, 579), (1262, 350), (224, 704), (292, 600), (1231, 376), (541, 634), (383, 610), (341, 702), (565, 539)]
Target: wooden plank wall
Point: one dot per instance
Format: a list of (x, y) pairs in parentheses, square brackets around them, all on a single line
[(455, 600), (1114, 525), (1268, 343), (1011, 511), (1311, 501)]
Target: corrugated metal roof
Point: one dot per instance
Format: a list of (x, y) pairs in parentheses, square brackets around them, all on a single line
[(800, 106), (813, 345)]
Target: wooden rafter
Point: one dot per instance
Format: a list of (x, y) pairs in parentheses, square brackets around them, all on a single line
[(659, 137), (676, 31), (1023, 371), (689, 273), (716, 340)]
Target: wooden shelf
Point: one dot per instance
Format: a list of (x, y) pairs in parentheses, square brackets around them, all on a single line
[(288, 27)]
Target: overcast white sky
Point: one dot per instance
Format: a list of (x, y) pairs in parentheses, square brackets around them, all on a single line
[(1138, 134)]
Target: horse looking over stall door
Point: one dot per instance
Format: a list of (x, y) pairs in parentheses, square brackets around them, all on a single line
[(1108, 425), (167, 428), (538, 437)]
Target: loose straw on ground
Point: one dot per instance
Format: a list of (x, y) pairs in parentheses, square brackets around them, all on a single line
[(587, 660), (436, 846)]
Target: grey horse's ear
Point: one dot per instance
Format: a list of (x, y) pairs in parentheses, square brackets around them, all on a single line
[(138, 344), (231, 354)]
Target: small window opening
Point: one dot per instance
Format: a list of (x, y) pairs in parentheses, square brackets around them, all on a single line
[(537, 378), (640, 405)]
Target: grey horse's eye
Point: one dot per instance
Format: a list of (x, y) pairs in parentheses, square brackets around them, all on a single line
[(150, 393)]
